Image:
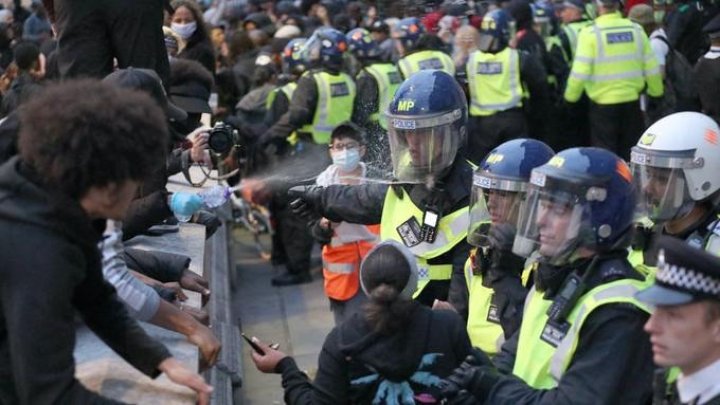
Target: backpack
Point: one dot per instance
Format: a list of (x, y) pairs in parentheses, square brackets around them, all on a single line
[(679, 80)]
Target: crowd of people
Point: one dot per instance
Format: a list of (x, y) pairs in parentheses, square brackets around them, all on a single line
[(510, 195)]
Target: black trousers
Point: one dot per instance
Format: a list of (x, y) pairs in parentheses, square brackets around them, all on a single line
[(292, 243), (486, 133), (93, 32), (616, 127)]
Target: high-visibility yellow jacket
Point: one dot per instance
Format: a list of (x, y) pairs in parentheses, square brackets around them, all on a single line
[(613, 63)]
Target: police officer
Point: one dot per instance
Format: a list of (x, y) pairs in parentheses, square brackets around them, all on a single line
[(684, 327), (581, 340), (494, 275), (409, 35), (377, 82), (613, 64), (278, 103), (498, 77), (322, 99), (324, 96), (675, 166), (427, 209), (707, 72)]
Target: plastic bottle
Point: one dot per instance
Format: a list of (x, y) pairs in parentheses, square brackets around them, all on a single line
[(182, 218), (215, 196)]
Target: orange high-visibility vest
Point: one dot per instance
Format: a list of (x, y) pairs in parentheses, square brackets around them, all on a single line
[(341, 261)]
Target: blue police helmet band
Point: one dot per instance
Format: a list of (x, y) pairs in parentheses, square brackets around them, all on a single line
[(691, 281), (414, 122), (667, 160), (488, 180)]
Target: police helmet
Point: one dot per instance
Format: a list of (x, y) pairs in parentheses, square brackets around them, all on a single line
[(676, 164), (495, 31), (499, 185), (325, 47), (408, 32), (361, 44), (579, 203), (292, 61), (427, 121)]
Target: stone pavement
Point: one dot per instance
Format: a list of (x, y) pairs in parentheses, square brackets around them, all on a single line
[(296, 317)]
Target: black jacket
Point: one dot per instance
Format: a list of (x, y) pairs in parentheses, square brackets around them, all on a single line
[(613, 360), (707, 75), (356, 364), (200, 51), (364, 205), (51, 268)]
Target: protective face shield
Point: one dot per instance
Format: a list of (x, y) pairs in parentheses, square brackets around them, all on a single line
[(493, 202), (553, 221), (660, 180), (421, 148)]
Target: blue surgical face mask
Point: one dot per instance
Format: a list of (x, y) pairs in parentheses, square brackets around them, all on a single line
[(185, 31), (347, 159)]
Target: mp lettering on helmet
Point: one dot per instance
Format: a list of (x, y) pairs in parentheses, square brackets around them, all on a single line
[(488, 24), (406, 105), (494, 158), (556, 161), (647, 139)]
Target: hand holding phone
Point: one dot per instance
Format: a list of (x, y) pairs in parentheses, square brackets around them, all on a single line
[(266, 357), (256, 348)]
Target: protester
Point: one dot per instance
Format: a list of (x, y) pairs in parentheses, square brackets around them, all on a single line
[(57, 194), (187, 22), (395, 348), (28, 81)]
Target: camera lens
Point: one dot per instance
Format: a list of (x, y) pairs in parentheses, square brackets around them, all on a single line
[(221, 139)]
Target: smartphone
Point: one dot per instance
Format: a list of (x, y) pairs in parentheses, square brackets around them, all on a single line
[(254, 345)]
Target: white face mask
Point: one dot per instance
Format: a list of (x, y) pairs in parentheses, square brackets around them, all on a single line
[(347, 160), (185, 31)]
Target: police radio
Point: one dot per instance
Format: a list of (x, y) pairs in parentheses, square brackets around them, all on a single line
[(431, 219), (565, 301)]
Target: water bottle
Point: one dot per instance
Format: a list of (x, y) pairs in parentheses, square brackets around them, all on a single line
[(215, 196), (182, 218)]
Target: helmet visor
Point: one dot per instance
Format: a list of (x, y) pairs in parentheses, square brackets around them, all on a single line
[(551, 224), (663, 188), (492, 202), (420, 152), (663, 193)]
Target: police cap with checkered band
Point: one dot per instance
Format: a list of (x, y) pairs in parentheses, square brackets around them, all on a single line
[(685, 274)]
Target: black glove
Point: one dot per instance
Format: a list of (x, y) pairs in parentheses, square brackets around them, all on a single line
[(305, 200), (322, 235), (503, 262), (476, 379), (501, 236)]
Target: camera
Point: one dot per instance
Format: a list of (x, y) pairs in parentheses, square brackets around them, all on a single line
[(223, 138)]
